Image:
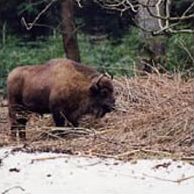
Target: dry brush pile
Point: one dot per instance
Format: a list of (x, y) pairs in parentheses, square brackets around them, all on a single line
[(153, 118)]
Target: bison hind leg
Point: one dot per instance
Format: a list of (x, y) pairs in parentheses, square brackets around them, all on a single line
[(18, 129), (22, 132), (18, 123)]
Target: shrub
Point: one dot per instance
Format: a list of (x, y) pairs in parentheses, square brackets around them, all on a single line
[(180, 52)]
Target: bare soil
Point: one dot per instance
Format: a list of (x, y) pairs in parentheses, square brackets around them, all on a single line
[(153, 119)]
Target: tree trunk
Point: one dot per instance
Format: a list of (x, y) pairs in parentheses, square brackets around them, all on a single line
[(69, 31), (154, 46)]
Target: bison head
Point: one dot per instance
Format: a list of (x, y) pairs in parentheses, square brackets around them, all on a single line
[(102, 94)]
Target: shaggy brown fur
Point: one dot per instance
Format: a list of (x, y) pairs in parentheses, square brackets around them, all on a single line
[(62, 87)]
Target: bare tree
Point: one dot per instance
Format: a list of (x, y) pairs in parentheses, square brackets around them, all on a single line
[(154, 18), (160, 10), (154, 47), (69, 31)]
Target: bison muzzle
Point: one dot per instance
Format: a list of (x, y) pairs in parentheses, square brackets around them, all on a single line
[(66, 89)]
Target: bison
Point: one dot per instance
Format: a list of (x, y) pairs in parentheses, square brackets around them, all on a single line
[(66, 89)]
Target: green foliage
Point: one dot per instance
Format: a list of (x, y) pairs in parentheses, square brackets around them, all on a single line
[(118, 58), (108, 55), (15, 53), (180, 52)]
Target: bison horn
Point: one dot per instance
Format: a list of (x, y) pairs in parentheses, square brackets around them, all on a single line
[(95, 85), (110, 76), (99, 79)]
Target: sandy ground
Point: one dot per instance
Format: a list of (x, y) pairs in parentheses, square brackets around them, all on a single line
[(49, 173)]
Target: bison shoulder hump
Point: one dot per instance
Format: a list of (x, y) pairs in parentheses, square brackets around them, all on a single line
[(15, 74)]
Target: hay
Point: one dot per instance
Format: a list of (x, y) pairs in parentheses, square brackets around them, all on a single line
[(153, 118)]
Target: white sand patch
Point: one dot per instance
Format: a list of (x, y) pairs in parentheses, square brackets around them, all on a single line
[(48, 173)]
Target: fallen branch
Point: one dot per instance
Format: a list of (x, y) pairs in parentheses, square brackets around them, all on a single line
[(14, 187), (169, 180), (47, 158)]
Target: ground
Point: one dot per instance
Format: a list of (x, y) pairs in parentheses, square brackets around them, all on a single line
[(49, 173), (153, 119)]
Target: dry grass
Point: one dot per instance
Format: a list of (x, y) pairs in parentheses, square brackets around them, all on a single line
[(154, 118)]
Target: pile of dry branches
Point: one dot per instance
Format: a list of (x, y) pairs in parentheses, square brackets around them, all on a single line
[(153, 118)]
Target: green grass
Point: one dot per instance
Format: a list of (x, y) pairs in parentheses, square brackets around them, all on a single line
[(116, 57), (15, 53), (180, 55)]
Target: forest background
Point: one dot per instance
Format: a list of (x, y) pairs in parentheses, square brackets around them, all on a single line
[(106, 34)]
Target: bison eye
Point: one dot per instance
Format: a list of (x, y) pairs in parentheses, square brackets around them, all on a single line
[(104, 93)]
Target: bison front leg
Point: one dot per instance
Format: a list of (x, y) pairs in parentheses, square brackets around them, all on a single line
[(73, 118), (58, 119), (73, 121), (61, 119), (18, 123)]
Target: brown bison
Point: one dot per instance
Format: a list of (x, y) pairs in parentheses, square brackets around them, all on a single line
[(64, 88)]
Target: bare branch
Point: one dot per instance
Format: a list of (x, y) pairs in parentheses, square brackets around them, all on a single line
[(12, 188), (167, 23), (168, 17), (187, 51), (161, 12), (79, 3), (118, 5), (167, 9), (29, 26)]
